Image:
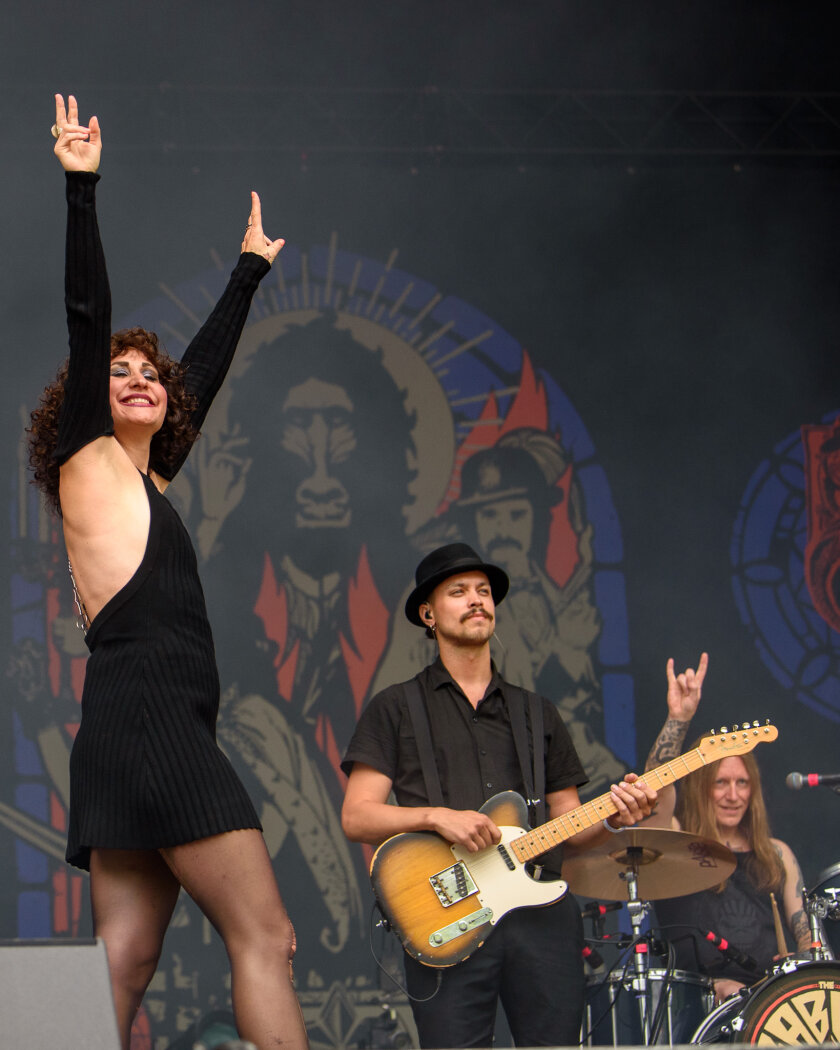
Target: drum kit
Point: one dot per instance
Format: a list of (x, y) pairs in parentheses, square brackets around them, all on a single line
[(796, 1002)]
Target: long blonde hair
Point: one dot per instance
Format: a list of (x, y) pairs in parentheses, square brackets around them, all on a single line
[(696, 813)]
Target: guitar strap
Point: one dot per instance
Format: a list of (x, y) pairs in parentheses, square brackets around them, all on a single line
[(423, 736), (550, 863), (532, 777)]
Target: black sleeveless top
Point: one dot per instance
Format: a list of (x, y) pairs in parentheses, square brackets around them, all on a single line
[(145, 770), (740, 914)]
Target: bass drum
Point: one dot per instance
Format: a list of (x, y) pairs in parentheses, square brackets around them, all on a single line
[(611, 1017), (794, 1005), (828, 887)]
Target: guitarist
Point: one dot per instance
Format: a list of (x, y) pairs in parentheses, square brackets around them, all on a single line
[(532, 961)]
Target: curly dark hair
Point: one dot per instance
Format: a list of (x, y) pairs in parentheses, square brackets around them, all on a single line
[(168, 445)]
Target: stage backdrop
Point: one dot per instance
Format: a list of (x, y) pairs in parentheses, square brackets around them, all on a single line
[(597, 376)]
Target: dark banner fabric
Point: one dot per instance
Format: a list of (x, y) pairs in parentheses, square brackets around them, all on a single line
[(619, 383)]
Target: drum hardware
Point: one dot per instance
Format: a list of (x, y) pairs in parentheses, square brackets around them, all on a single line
[(638, 865), (679, 1002), (822, 906), (638, 983), (819, 908)]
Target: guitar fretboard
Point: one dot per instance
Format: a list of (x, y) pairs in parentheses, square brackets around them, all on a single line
[(554, 832)]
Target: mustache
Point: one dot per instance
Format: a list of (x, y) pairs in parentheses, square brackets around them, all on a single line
[(503, 541), (476, 612)]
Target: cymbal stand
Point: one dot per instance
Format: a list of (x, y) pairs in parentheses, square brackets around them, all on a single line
[(638, 909)]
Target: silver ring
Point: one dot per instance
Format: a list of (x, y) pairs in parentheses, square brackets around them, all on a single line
[(55, 131)]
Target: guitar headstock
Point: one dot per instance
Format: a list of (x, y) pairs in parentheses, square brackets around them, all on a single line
[(735, 741)]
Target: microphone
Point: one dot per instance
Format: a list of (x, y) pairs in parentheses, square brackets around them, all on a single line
[(797, 781), (594, 910), (726, 949), (593, 957)]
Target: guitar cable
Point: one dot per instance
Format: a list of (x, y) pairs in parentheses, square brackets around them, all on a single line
[(384, 924)]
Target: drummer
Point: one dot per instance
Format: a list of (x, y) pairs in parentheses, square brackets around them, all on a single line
[(724, 801)]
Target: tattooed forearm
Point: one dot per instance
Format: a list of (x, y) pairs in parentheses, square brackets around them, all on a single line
[(668, 744), (801, 930)]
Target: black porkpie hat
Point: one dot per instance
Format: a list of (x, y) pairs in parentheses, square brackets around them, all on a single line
[(445, 562)]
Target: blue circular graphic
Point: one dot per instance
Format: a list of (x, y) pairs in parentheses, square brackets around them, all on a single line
[(767, 555)]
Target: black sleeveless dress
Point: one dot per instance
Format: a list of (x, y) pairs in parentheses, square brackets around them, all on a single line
[(145, 769)]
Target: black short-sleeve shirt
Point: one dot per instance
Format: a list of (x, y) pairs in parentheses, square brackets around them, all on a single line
[(474, 747)]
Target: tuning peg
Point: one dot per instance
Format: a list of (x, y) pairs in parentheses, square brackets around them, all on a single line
[(723, 729)]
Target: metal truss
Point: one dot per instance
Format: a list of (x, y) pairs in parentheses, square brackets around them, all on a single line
[(457, 126)]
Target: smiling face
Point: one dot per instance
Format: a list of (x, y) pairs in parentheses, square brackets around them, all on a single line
[(731, 793), (462, 609), (137, 396)]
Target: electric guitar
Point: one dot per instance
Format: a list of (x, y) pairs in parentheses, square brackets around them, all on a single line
[(443, 901)]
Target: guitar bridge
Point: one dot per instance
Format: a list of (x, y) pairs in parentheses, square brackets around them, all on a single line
[(453, 884)]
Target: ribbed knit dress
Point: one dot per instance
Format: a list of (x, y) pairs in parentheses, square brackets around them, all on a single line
[(145, 769)]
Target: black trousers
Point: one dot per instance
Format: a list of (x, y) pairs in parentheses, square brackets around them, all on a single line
[(532, 963)]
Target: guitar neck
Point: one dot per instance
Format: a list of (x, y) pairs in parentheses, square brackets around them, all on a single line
[(554, 832)]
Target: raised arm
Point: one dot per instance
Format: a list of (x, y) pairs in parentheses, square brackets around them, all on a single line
[(86, 412), (209, 355), (684, 692)]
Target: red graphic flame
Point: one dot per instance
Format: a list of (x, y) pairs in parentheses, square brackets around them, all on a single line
[(273, 609), (528, 409), (369, 626), (562, 554), (822, 489)]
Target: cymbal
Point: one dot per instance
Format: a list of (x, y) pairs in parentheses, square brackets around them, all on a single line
[(668, 864)]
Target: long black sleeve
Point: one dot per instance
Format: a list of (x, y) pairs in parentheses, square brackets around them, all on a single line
[(86, 410), (209, 355)]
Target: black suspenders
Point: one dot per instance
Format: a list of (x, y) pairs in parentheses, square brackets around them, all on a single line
[(533, 774), (423, 736), (534, 780)]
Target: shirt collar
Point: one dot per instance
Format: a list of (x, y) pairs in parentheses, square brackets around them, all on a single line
[(439, 676)]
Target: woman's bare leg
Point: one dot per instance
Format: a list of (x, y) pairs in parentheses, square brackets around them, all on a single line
[(133, 895), (231, 879)]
